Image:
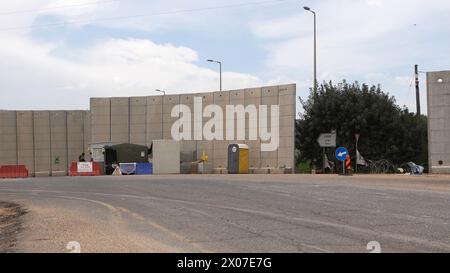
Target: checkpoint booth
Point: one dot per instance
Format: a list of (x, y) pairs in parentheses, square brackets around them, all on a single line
[(131, 159), (238, 159)]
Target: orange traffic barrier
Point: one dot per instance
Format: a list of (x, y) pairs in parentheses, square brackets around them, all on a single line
[(85, 169), (13, 171), (348, 163)]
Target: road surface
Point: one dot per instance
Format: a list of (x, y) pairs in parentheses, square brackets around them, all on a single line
[(258, 213)]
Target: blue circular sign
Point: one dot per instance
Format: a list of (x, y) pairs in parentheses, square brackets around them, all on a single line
[(341, 154)]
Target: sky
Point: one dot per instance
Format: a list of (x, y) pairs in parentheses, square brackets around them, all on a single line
[(56, 54)]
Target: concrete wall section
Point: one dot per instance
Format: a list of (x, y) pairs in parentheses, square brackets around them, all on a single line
[(203, 145), (25, 140), (220, 146), (58, 145), (120, 120), (438, 89), (287, 99), (75, 135), (8, 137), (101, 119), (138, 120), (154, 119), (252, 98), (46, 142), (87, 130), (269, 97), (42, 142), (169, 103)]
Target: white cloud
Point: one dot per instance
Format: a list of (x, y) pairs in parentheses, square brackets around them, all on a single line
[(35, 76), (371, 41), (115, 67)]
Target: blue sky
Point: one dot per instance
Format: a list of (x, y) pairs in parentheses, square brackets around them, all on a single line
[(60, 67)]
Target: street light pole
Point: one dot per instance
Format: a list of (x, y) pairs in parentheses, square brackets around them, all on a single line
[(315, 49), (162, 111), (220, 67), (161, 91)]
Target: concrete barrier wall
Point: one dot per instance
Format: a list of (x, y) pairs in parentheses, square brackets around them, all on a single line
[(8, 137), (438, 85), (46, 142), (140, 120)]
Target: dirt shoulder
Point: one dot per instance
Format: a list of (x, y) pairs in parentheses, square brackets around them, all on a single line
[(10, 225), (50, 226)]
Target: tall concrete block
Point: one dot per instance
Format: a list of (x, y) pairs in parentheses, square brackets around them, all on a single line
[(154, 119), (220, 153), (188, 100), (222, 99), (101, 119), (438, 91), (58, 148), (25, 140), (169, 102), (255, 153), (8, 138), (207, 99), (42, 140), (138, 120), (252, 98), (287, 101), (75, 135), (120, 115), (87, 130), (237, 97), (270, 97)]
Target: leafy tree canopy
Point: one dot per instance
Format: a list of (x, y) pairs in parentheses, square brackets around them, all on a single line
[(386, 130)]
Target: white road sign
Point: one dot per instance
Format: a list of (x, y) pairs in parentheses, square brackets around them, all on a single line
[(327, 140)]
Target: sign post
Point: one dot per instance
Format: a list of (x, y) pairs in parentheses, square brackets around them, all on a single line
[(341, 155), (357, 140), (326, 141)]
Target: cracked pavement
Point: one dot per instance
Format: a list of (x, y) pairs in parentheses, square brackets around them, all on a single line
[(225, 213)]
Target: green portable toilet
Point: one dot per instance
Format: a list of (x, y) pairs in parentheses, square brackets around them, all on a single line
[(238, 159)]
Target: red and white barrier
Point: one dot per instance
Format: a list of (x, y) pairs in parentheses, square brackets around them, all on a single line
[(85, 169), (13, 171)]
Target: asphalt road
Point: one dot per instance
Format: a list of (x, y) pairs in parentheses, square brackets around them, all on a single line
[(261, 213)]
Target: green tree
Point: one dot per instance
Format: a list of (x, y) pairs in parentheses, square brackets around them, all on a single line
[(387, 131)]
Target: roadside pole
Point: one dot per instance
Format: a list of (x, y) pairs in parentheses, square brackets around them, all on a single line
[(357, 140), (342, 155), (323, 155), (327, 140)]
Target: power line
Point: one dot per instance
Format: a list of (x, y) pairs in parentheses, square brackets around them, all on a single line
[(146, 15), (58, 7)]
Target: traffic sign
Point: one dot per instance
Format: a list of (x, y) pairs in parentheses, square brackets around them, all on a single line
[(341, 154), (327, 140)]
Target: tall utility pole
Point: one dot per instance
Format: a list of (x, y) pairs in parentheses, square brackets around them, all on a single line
[(416, 71), (315, 49)]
